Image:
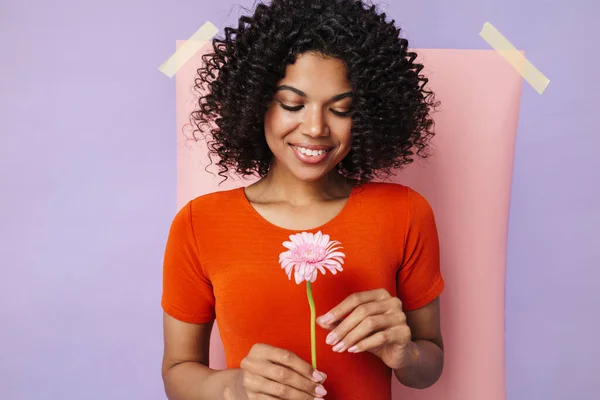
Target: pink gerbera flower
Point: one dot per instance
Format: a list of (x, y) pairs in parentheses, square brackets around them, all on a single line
[(308, 253)]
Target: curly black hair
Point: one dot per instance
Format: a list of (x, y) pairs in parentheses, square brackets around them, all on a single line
[(391, 106)]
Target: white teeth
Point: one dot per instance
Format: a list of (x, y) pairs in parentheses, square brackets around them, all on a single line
[(310, 152)]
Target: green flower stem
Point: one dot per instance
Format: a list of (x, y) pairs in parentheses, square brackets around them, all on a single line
[(313, 319)]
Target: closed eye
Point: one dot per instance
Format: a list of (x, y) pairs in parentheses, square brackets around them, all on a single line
[(298, 108), (291, 108), (342, 113)]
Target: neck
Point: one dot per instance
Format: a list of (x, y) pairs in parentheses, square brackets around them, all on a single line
[(284, 186)]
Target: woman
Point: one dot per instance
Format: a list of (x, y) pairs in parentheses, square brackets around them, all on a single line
[(317, 98)]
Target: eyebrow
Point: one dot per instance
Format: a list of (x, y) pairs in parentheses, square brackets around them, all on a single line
[(300, 93)]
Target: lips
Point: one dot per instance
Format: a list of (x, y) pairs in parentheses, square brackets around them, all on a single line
[(311, 152), (308, 155)]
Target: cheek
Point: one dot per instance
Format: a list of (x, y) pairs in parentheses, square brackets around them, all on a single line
[(268, 122), (344, 134), (278, 124)]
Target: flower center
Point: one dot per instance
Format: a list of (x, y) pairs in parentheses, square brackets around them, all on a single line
[(310, 253)]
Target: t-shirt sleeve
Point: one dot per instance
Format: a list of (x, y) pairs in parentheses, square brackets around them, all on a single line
[(419, 278), (187, 292)]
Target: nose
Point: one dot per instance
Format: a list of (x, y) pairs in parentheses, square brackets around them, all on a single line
[(314, 123)]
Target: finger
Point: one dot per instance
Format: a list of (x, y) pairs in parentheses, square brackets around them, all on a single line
[(368, 327), (358, 315), (290, 360), (398, 334), (288, 377), (263, 386), (349, 304)]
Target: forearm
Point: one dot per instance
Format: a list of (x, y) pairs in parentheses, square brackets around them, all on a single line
[(427, 368), (195, 381)]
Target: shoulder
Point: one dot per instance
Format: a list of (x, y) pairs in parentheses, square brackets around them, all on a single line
[(207, 207), (392, 192), (210, 202), (394, 197)]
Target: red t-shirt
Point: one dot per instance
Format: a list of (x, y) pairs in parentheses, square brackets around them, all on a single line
[(222, 261)]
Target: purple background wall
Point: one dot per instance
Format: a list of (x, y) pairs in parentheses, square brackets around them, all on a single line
[(87, 178)]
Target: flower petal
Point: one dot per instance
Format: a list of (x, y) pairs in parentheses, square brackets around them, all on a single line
[(296, 239), (306, 237), (336, 254), (288, 267), (298, 276), (318, 237), (320, 268), (333, 266), (337, 260), (289, 245)]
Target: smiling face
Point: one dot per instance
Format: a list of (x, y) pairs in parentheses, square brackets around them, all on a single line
[(307, 125)]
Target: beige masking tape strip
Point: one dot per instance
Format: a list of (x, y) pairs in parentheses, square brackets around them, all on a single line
[(514, 57), (188, 49)]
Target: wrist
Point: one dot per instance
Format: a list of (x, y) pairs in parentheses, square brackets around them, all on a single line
[(232, 383)]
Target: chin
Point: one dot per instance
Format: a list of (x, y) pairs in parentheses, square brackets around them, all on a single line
[(310, 176)]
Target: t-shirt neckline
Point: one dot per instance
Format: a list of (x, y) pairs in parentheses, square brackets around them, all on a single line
[(339, 216)]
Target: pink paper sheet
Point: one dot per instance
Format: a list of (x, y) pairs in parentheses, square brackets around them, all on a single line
[(467, 181)]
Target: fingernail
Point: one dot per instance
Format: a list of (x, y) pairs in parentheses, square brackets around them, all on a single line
[(353, 349), (319, 376), (331, 338), (320, 391), (338, 347), (325, 319)]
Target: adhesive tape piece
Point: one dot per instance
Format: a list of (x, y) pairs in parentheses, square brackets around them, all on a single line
[(188, 49), (514, 57)]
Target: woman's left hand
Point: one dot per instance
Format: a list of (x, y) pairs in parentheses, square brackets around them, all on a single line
[(375, 322)]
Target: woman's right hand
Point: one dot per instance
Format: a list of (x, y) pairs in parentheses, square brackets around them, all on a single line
[(271, 373)]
